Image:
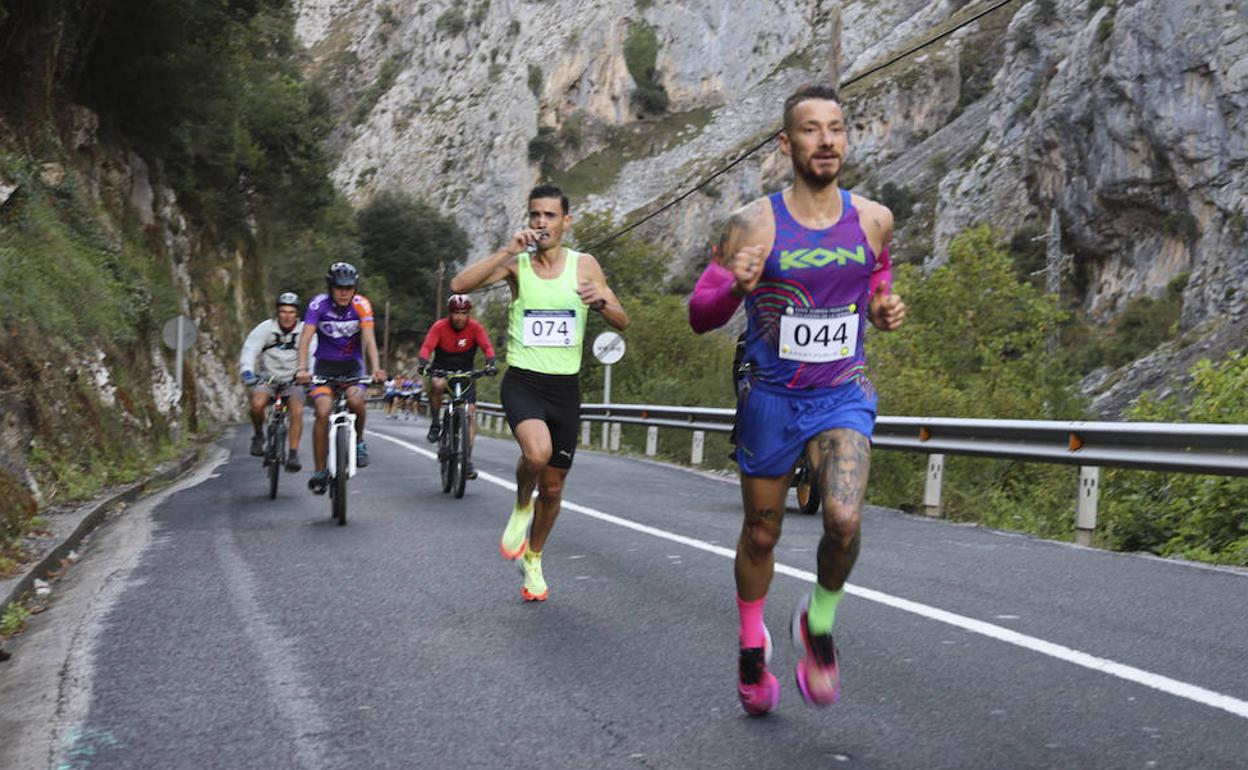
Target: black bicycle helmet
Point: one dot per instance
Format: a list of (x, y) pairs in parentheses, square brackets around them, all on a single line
[(342, 274), (288, 298)]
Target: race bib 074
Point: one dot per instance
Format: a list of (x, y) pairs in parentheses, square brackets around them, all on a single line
[(819, 335), (549, 328)]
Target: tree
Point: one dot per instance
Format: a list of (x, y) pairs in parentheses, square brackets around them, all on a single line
[(975, 344), (402, 240)]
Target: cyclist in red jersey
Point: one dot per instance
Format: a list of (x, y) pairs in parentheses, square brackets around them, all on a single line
[(452, 344)]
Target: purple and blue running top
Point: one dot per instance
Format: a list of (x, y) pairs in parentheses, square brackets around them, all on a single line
[(808, 314)]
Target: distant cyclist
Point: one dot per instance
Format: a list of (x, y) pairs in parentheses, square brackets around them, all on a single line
[(268, 363), (406, 394), (452, 343), (552, 289), (390, 395), (809, 262), (342, 322)]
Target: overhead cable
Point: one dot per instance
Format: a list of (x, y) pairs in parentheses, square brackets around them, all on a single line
[(856, 79)]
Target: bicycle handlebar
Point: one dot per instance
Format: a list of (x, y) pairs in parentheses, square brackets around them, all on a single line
[(353, 380), (451, 374)]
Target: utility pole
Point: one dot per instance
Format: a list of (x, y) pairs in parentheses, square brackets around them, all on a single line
[(386, 358), (437, 298), (1053, 255), (1054, 262)]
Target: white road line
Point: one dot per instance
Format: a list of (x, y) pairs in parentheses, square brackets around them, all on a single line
[(1130, 673)]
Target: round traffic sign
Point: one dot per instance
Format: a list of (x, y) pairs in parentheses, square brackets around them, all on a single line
[(608, 347), (169, 333)]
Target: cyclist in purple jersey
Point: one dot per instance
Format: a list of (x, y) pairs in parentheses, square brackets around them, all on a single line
[(805, 261), (342, 321)]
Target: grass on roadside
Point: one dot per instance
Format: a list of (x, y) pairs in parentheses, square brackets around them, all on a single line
[(13, 620)]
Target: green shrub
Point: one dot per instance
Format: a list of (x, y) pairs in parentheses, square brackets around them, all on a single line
[(975, 344), (535, 80), (13, 620), (386, 76), (542, 148), (1182, 514), (1180, 223), (641, 50), (452, 21), (899, 200)]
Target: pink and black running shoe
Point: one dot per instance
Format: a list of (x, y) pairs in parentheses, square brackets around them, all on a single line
[(818, 676), (758, 688)]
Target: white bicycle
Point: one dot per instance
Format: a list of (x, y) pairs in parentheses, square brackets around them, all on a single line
[(341, 460)]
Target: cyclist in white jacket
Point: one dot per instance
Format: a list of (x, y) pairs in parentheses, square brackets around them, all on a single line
[(268, 363)]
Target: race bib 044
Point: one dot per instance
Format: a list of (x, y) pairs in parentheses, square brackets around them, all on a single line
[(549, 328), (819, 335)]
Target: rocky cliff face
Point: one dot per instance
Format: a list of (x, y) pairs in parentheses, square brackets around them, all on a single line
[(1127, 119), (63, 398)]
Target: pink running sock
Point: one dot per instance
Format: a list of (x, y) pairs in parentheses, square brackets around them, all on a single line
[(751, 632)]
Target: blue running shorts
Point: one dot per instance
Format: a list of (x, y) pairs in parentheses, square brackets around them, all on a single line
[(774, 423)]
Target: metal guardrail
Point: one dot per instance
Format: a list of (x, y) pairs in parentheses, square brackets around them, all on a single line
[(1176, 447)]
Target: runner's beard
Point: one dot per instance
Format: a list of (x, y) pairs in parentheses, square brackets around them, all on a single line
[(819, 180)]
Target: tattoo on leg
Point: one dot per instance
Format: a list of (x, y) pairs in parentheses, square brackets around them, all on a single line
[(845, 460)]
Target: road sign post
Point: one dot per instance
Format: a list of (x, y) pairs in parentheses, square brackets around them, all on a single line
[(608, 348), (179, 333)]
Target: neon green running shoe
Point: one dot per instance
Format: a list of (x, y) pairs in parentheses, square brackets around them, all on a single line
[(534, 588), (515, 537)]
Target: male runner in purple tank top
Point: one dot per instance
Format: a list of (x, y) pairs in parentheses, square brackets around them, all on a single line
[(811, 263)]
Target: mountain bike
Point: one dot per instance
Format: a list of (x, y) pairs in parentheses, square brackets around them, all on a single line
[(454, 449), (341, 459), (275, 438)]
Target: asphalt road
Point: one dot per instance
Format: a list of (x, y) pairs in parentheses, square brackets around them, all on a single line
[(245, 632)]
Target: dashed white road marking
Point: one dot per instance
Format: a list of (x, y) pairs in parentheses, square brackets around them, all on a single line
[(1165, 684)]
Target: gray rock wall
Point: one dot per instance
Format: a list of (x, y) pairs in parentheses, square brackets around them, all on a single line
[(1128, 118)]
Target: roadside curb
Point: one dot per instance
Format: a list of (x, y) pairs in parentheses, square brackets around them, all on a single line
[(76, 525)]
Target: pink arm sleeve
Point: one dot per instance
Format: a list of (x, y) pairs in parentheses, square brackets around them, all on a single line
[(712, 302), (882, 274)]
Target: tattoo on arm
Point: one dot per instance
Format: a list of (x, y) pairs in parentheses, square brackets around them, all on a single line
[(730, 237), (739, 227)]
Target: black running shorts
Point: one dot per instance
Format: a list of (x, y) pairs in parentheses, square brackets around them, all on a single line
[(553, 398)]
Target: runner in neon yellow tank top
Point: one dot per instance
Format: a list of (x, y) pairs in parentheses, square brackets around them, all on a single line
[(552, 290)]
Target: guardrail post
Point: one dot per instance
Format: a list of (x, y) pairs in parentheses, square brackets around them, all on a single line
[(652, 441), (606, 436), (1089, 494), (615, 437), (586, 439), (498, 424), (699, 438), (931, 489)]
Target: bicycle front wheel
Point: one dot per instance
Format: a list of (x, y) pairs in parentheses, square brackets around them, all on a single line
[(446, 454), (342, 470), (273, 453), (460, 442)]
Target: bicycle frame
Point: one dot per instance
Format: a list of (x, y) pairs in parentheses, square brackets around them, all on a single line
[(340, 418), (454, 449)]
